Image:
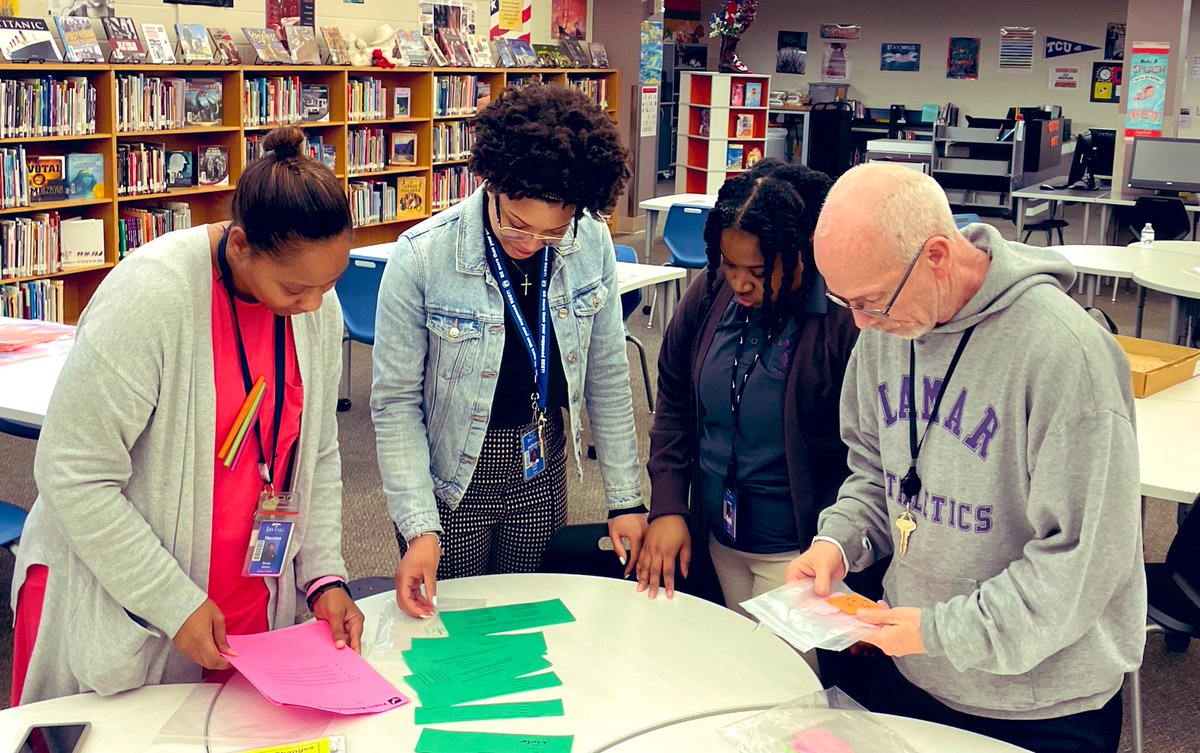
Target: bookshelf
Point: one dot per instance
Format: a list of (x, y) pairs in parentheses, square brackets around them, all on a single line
[(722, 128), (236, 128)]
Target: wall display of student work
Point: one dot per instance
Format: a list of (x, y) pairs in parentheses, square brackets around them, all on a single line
[(100, 158)]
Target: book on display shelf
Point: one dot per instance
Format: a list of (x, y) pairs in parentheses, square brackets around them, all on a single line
[(335, 43), (25, 40), (212, 166), (85, 175), (181, 169), (158, 44), (266, 45), (194, 45), (79, 41), (124, 44), (302, 45), (227, 52), (202, 104)]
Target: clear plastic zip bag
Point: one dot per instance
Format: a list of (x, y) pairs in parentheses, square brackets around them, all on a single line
[(802, 618), (828, 721)]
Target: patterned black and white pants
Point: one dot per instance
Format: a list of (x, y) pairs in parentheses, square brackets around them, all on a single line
[(503, 523)]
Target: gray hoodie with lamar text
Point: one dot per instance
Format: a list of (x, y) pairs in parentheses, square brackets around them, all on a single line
[(1026, 561)]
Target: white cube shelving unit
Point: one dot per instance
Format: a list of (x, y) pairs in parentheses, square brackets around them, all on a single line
[(722, 128)]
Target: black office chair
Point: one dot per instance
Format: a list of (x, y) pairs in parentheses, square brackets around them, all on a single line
[(1166, 214), (1173, 603), (1047, 226)]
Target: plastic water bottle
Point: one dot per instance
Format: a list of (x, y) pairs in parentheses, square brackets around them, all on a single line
[(1147, 238)]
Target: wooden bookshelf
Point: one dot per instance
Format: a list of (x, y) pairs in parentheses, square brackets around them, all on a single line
[(718, 129), (211, 203)]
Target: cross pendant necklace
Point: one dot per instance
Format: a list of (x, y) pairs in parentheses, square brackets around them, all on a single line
[(525, 285)]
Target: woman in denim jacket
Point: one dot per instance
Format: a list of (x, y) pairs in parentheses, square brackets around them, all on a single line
[(471, 441)]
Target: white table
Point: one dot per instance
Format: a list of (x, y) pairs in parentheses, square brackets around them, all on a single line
[(1174, 247), (663, 204), (638, 675), (1078, 195), (1113, 261), (1179, 280), (26, 386)]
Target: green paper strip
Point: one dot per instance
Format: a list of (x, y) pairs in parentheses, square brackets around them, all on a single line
[(487, 711), (452, 669), (523, 643), (454, 693), (444, 741), (505, 618)]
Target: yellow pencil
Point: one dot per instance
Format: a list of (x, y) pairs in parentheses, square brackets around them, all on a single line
[(241, 417)]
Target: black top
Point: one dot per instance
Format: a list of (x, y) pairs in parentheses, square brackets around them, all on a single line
[(511, 406)]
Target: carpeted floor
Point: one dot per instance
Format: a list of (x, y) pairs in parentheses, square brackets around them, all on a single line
[(1171, 682)]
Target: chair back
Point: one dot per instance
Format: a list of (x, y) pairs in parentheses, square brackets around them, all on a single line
[(631, 300), (1165, 213), (577, 550), (1183, 558), (358, 291), (20, 429), (12, 522), (684, 235), (962, 220)]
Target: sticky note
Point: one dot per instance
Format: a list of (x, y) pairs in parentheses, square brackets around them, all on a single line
[(444, 741), (851, 603), (505, 618), (486, 711)]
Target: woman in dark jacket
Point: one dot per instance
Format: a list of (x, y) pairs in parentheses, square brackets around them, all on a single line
[(745, 449)]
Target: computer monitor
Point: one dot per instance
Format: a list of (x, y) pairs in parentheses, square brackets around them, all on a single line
[(1093, 157), (1165, 165)]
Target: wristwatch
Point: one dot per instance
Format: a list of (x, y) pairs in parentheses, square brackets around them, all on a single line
[(316, 594)]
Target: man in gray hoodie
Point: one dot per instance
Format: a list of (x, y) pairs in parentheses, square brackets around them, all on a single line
[(992, 453)]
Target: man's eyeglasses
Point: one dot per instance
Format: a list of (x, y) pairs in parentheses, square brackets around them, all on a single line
[(515, 234), (886, 310)]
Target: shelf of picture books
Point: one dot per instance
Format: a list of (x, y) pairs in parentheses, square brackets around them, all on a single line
[(386, 201), (389, 96), (175, 98)]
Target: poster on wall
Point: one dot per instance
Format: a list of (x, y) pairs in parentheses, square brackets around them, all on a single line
[(1056, 47), (1147, 90), (1114, 41), (568, 19), (651, 56), (83, 8), (1016, 48), (840, 31), (791, 52), (649, 111), (962, 59), (281, 13), (1063, 77), (510, 19), (835, 63), (682, 22), (1106, 82), (899, 56)]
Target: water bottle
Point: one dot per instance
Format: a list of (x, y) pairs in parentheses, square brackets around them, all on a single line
[(1147, 238)]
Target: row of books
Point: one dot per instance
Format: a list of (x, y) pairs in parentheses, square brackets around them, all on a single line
[(459, 95), (38, 299), (314, 147), (451, 185), (373, 201), (366, 99), (43, 244), (595, 89), (47, 106), (151, 103), (15, 179), (284, 100), (367, 150), (139, 225), (143, 168), (452, 140)]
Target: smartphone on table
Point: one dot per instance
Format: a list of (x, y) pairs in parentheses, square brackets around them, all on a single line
[(55, 738)]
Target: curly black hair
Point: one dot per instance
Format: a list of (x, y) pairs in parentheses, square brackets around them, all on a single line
[(550, 143), (778, 204)]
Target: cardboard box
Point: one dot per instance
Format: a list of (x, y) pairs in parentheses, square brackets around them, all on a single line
[(1155, 366)]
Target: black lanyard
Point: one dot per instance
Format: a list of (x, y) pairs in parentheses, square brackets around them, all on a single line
[(266, 462), (736, 390), (910, 485)]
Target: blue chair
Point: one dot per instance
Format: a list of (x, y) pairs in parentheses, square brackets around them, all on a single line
[(962, 220), (629, 303), (12, 518), (684, 235), (358, 292)]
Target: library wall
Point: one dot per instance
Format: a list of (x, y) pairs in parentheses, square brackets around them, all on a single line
[(363, 19), (931, 23)]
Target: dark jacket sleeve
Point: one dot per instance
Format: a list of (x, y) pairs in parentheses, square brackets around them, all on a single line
[(672, 436)]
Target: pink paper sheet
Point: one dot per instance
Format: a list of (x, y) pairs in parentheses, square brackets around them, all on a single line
[(299, 666)]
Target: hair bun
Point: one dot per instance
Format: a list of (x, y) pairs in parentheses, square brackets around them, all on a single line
[(284, 142)]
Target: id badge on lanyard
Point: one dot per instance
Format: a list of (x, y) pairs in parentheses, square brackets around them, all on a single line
[(274, 520)]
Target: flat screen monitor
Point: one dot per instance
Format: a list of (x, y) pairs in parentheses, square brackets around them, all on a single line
[(1167, 165), (1104, 145)]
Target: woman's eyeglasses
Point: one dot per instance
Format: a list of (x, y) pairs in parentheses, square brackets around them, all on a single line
[(516, 234)]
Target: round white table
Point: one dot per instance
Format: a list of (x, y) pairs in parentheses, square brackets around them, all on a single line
[(635, 672), (1175, 247), (1177, 279)]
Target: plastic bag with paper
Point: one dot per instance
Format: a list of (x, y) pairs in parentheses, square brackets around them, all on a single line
[(828, 721), (802, 618)]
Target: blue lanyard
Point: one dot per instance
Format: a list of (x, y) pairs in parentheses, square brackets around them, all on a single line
[(539, 356)]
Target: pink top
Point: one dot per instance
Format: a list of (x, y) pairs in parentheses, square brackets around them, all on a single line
[(243, 600)]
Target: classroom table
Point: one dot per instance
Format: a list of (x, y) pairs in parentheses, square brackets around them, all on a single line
[(1076, 195), (636, 673), (26, 385), (1179, 280), (663, 204), (1113, 261)]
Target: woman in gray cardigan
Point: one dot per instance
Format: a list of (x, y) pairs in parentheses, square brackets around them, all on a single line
[(131, 567)]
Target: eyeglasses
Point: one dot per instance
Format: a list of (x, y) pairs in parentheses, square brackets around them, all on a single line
[(886, 310), (515, 234)]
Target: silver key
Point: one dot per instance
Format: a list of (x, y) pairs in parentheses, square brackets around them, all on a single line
[(907, 525)]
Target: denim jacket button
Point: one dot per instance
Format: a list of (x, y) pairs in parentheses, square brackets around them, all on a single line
[(562, 313)]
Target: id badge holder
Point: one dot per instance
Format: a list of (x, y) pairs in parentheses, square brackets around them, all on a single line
[(274, 521), (729, 512), (532, 455)]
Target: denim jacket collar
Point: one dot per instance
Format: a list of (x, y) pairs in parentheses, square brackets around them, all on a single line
[(469, 257)]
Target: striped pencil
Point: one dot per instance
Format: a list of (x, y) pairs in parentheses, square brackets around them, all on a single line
[(241, 416)]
